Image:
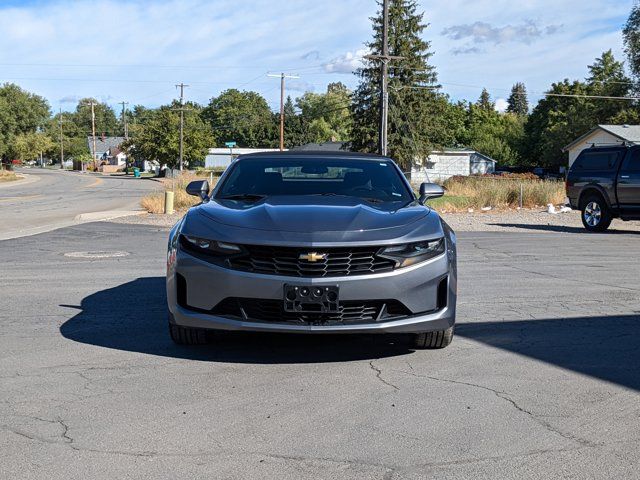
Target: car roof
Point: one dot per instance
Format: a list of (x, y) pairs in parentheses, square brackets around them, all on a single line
[(314, 154)]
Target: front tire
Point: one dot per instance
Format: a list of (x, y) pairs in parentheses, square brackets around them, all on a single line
[(434, 340), (596, 216)]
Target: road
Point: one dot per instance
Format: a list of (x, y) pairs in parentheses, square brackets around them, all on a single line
[(541, 381), (51, 199)]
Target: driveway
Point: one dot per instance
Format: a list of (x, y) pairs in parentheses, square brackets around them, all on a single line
[(50, 199), (541, 381)]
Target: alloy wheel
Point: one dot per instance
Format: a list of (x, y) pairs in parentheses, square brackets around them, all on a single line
[(592, 214)]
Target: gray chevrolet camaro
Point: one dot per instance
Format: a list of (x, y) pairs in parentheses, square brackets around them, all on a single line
[(312, 243)]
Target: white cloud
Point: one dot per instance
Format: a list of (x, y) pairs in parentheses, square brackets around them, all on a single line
[(347, 62), (481, 32), (501, 105)]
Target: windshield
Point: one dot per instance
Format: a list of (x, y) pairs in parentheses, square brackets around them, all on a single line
[(376, 181)]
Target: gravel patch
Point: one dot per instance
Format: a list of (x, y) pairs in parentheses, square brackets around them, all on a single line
[(492, 221)]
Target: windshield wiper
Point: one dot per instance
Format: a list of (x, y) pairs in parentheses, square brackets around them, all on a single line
[(243, 196), (333, 194)]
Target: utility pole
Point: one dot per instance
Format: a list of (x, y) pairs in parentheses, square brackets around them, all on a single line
[(124, 119), (61, 142), (282, 77), (92, 104), (384, 59), (181, 85)]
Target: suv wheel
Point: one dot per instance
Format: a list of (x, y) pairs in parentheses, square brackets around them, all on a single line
[(596, 216), (433, 340)]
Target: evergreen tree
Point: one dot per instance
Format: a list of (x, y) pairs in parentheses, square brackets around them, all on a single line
[(517, 101), (295, 131), (631, 36), (413, 129), (484, 102), (607, 79)]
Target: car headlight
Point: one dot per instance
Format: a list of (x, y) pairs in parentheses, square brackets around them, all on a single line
[(211, 247), (412, 253)]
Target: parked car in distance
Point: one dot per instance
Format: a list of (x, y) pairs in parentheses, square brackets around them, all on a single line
[(547, 173), (312, 243), (604, 183)]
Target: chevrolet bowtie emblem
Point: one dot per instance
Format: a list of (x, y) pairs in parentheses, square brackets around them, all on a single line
[(313, 256)]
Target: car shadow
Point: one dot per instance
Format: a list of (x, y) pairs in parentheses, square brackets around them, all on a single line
[(562, 228), (133, 317), (604, 347)]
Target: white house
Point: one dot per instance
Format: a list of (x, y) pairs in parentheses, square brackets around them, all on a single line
[(222, 157), (603, 135), (443, 164)]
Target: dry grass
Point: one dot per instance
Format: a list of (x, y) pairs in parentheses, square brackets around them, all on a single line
[(154, 202), (463, 193), (7, 176)]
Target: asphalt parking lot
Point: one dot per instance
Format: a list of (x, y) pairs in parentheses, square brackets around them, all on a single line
[(541, 381)]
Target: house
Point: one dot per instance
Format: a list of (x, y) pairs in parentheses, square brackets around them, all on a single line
[(222, 157), (331, 146), (440, 165), (603, 135), (103, 146)]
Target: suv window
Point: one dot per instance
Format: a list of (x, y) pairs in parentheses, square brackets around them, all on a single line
[(597, 160), (631, 164)]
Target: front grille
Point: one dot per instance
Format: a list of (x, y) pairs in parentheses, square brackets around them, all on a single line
[(336, 262), (349, 312)]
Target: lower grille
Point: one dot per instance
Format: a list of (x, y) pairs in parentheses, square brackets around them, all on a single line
[(349, 312)]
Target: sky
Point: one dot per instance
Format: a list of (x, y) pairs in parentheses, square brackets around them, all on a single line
[(136, 51)]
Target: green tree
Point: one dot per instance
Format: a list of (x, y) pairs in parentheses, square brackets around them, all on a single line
[(631, 37), (21, 112), (498, 135), (485, 102), (296, 131), (517, 102), (571, 110), (105, 119), (243, 117), (327, 114), (608, 79), (29, 146), (158, 137), (556, 121), (412, 129)]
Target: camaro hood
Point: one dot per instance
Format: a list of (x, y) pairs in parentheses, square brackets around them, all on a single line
[(289, 220), (291, 214)]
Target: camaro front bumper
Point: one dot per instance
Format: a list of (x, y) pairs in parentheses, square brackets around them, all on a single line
[(416, 287)]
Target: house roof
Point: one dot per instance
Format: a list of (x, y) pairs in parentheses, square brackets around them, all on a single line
[(322, 147), (626, 133), (103, 144), (463, 151)]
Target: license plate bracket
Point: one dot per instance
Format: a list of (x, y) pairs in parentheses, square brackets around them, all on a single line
[(311, 299)]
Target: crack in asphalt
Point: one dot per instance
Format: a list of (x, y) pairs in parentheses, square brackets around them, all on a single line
[(505, 396), (379, 376)]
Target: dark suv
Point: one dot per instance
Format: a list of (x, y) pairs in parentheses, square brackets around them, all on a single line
[(604, 183)]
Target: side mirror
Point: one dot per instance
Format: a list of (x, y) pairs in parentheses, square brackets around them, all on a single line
[(429, 191), (199, 188)]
